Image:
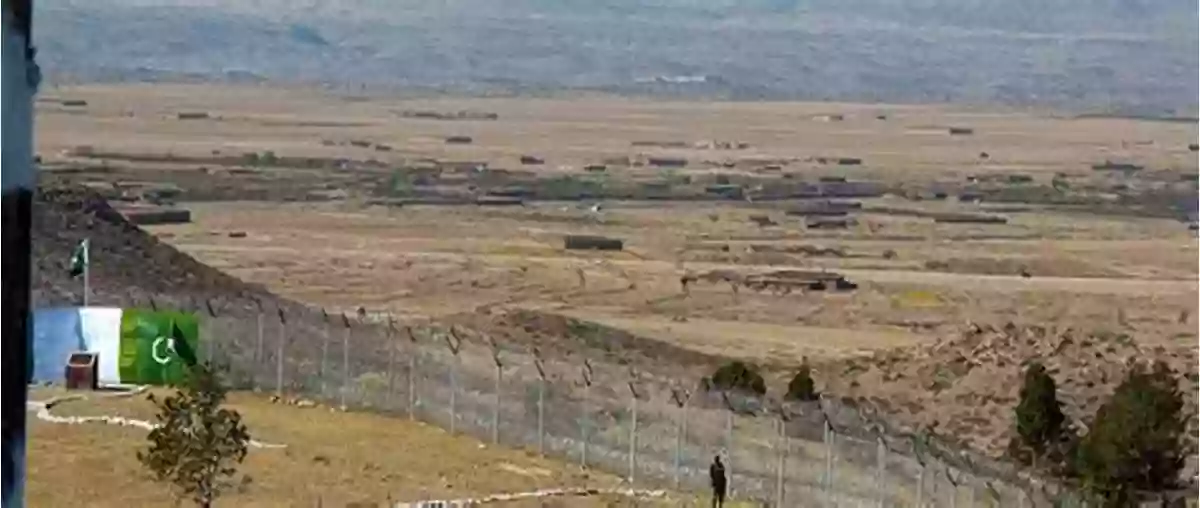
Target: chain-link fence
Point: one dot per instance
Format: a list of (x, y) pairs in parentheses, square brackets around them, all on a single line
[(651, 430)]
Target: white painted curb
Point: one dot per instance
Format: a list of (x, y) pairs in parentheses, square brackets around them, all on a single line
[(42, 409), (460, 503)]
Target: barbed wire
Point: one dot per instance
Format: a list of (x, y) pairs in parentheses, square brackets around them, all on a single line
[(305, 333)]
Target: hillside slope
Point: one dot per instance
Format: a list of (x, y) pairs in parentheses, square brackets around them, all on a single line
[(966, 386), (127, 267), (1126, 56)]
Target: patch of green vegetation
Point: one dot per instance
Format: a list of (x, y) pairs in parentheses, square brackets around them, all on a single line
[(571, 187), (1135, 444), (264, 159), (400, 184), (592, 334), (1041, 424), (802, 386), (739, 376)]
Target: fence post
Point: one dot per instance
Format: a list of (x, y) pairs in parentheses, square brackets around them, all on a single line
[(681, 397), (454, 342), (586, 374), (345, 361), (992, 492), (633, 407), (880, 471), (412, 373), (323, 372), (829, 443), (729, 483), (784, 448), (391, 365), (921, 485), (541, 402), (279, 353), (258, 345), (211, 345), (953, 490), (496, 401)]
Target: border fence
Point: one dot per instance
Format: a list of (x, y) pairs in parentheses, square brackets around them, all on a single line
[(651, 430)]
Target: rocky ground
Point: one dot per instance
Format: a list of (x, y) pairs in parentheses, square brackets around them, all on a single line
[(966, 386)]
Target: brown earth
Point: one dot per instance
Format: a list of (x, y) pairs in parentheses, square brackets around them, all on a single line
[(502, 270), (967, 385), (332, 458)]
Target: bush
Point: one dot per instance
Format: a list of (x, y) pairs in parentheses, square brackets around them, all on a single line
[(802, 387), (738, 376), (1135, 443), (1041, 423), (399, 185), (197, 444), (571, 188)]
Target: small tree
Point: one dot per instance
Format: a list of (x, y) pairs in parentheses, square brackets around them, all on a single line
[(197, 444), (1041, 423), (802, 387), (1135, 443), (738, 376)]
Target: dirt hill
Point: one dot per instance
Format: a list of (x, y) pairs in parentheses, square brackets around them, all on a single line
[(128, 266), (966, 386)]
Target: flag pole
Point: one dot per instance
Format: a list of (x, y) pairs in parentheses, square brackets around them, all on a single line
[(87, 267)]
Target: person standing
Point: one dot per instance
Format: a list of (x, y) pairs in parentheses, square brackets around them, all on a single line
[(716, 475)]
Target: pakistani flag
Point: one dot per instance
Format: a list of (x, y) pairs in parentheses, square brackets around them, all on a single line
[(79, 258), (156, 347), (135, 346)]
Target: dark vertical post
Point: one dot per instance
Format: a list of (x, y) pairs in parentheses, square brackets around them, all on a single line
[(496, 402), (258, 344), (279, 352), (322, 370), (681, 397), (391, 365), (412, 372), (633, 428), (210, 345), (20, 79), (541, 402), (454, 343), (345, 360), (585, 420)]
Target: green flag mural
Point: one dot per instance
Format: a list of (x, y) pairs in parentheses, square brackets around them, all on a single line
[(157, 347)]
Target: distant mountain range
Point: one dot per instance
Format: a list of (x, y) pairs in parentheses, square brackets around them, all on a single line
[(1109, 56)]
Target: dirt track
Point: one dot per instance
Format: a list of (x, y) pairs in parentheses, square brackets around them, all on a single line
[(1092, 285)]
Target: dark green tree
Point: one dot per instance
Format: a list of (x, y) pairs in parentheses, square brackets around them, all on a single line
[(801, 387), (197, 444), (1041, 424), (1136, 441), (739, 376)]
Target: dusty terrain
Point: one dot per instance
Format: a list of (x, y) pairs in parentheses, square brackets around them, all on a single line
[(332, 458), (341, 219)]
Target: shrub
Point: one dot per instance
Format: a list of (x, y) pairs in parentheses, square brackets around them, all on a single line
[(738, 376), (399, 185), (571, 187), (802, 387), (197, 444), (1041, 423), (1135, 443)]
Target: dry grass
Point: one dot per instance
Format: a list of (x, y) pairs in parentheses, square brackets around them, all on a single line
[(336, 457), (581, 130), (422, 261)]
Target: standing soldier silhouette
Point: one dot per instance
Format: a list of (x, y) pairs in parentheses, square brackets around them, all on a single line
[(716, 474)]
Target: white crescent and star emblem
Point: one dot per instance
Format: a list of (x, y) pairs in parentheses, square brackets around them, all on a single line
[(165, 358)]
